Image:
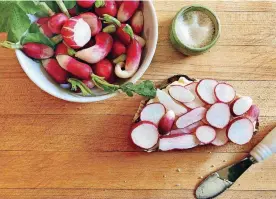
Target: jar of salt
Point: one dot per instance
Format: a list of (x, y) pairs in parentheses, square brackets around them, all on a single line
[(195, 29)]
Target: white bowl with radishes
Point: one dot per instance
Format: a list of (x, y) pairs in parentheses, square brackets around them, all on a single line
[(90, 44), (187, 113)]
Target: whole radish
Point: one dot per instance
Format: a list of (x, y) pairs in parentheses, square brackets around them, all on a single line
[(141, 40), (137, 22), (62, 49), (104, 68), (43, 26), (97, 52), (76, 32), (33, 50), (118, 49), (79, 69), (118, 3), (126, 10), (85, 3), (93, 21), (106, 7), (134, 51), (55, 71), (56, 22)]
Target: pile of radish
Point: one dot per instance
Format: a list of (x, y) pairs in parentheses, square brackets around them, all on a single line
[(187, 114), (100, 37)]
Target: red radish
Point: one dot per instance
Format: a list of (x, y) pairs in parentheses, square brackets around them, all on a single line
[(108, 7), (56, 22), (140, 40), (127, 9), (191, 117), (218, 115), (122, 35), (153, 113), (104, 68), (166, 122), (134, 52), (137, 22), (89, 83), (206, 90), (118, 3), (205, 134), (76, 32), (145, 135), (42, 20), (225, 92), (221, 137), (55, 71), (93, 21), (181, 94), (97, 52), (79, 69), (73, 11), (118, 48), (241, 105), (165, 99), (174, 142), (253, 113), (33, 50), (197, 102), (240, 130), (85, 3), (61, 49)]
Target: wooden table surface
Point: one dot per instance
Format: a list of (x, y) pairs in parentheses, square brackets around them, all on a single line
[(55, 149)]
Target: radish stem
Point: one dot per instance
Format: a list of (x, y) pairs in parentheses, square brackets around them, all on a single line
[(45, 7), (119, 59), (99, 3), (129, 30), (63, 7), (10, 45), (110, 29), (75, 84), (56, 39), (111, 20)]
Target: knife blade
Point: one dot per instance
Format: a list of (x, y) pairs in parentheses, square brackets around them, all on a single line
[(221, 180)]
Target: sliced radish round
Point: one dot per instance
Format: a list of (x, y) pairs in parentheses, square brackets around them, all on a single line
[(218, 115), (206, 90), (191, 117), (221, 137), (153, 113), (165, 99), (240, 130), (225, 92), (241, 105), (181, 141), (181, 94), (197, 101), (145, 135), (205, 134), (166, 122), (253, 113)]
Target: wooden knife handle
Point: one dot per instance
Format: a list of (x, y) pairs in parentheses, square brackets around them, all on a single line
[(266, 147)]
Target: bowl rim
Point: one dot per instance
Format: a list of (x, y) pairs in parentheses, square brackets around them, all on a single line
[(135, 78)]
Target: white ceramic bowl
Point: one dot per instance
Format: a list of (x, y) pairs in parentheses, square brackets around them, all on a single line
[(40, 77)]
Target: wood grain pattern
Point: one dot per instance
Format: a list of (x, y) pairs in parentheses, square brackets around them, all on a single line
[(54, 149)]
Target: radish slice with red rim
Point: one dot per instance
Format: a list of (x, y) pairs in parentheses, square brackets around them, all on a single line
[(206, 90), (221, 137), (197, 101), (205, 134), (218, 115), (240, 130), (191, 117), (225, 92), (181, 141), (153, 113), (181, 94), (253, 113), (145, 135), (241, 105), (166, 122)]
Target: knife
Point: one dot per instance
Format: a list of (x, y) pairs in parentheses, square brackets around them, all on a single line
[(219, 181)]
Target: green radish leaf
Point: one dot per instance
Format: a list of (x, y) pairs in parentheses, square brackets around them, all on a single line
[(75, 84), (28, 7), (34, 35), (70, 3), (53, 5)]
